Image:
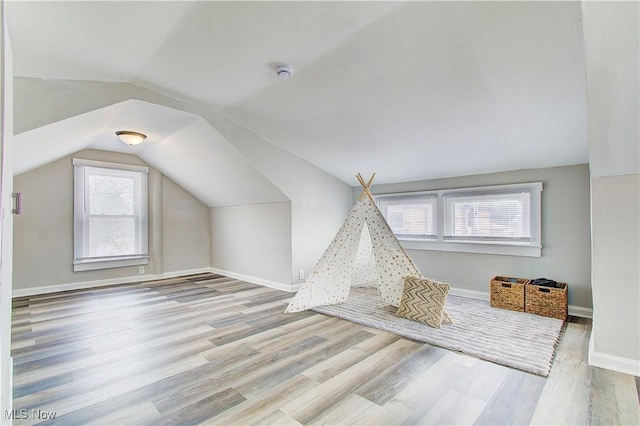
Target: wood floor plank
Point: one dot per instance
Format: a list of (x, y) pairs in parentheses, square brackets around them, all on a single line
[(134, 354), (613, 401), (22, 344), (284, 369), (277, 418), (144, 413), (327, 369), (83, 401), (482, 379), (453, 408), (288, 336), (235, 377), (385, 386), (348, 410), (515, 401), (40, 385), (413, 402), (566, 380), (203, 409), (258, 408), (311, 405)]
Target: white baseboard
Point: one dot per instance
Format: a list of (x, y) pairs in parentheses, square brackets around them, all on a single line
[(579, 311), (81, 285), (255, 280), (612, 362), (184, 273), (471, 294), (576, 311)]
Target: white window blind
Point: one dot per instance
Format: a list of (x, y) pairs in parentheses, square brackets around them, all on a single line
[(110, 215), (503, 219), (410, 217), (488, 216)]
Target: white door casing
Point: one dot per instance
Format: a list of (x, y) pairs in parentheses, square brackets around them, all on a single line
[(6, 227)]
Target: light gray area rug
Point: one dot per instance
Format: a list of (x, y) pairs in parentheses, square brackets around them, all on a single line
[(515, 339)]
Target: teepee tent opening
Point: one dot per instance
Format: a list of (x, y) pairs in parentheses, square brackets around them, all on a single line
[(364, 253)]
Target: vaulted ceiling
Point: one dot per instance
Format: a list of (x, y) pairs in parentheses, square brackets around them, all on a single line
[(413, 90)]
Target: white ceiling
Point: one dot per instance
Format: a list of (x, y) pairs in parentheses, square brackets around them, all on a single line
[(414, 90), (216, 52)]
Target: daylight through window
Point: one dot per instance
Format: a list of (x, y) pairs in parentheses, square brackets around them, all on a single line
[(110, 215), (503, 219), (497, 217), (410, 217)]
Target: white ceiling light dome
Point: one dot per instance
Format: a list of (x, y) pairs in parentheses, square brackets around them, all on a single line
[(131, 138), (283, 71)]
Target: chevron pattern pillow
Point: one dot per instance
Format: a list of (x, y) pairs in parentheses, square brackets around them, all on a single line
[(423, 300)]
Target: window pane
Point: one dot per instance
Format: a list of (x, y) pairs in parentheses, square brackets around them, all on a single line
[(111, 195), (112, 236), (490, 216), (110, 219), (411, 217)]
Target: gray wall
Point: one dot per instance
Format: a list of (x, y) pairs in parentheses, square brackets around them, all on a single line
[(616, 271), (185, 229), (253, 240), (565, 234), (43, 234), (612, 50), (319, 201)]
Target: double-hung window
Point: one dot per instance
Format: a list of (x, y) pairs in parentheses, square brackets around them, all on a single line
[(411, 217), (498, 216), (110, 215), (504, 219)]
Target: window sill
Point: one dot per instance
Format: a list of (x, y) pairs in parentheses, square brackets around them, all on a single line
[(92, 265), (481, 247)]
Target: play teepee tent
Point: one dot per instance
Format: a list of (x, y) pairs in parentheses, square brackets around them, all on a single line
[(364, 253)]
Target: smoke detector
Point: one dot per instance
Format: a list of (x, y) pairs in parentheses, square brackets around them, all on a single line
[(283, 71)]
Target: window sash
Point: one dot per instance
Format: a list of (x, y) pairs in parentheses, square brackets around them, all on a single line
[(488, 216), (411, 217), (516, 228), (115, 246)]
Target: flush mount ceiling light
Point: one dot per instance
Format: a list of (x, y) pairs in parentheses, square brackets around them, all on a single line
[(283, 71), (131, 138)]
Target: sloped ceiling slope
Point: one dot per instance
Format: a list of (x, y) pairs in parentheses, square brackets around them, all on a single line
[(181, 145), (435, 90), (412, 90)]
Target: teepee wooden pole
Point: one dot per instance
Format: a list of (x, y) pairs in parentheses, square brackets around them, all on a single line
[(370, 181), (365, 187), (359, 177)]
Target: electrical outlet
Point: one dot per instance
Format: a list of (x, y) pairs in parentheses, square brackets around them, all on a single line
[(301, 274), (141, 270)]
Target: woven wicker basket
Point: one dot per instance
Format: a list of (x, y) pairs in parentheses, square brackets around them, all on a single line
[(547, 301), (508, 293)]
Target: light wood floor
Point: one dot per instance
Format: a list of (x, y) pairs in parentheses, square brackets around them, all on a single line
[(211, 349)]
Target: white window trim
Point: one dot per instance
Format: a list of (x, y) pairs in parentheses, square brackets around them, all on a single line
[(410, 196), (509, 248), (106, 165), (78, 211), (92, 265)]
